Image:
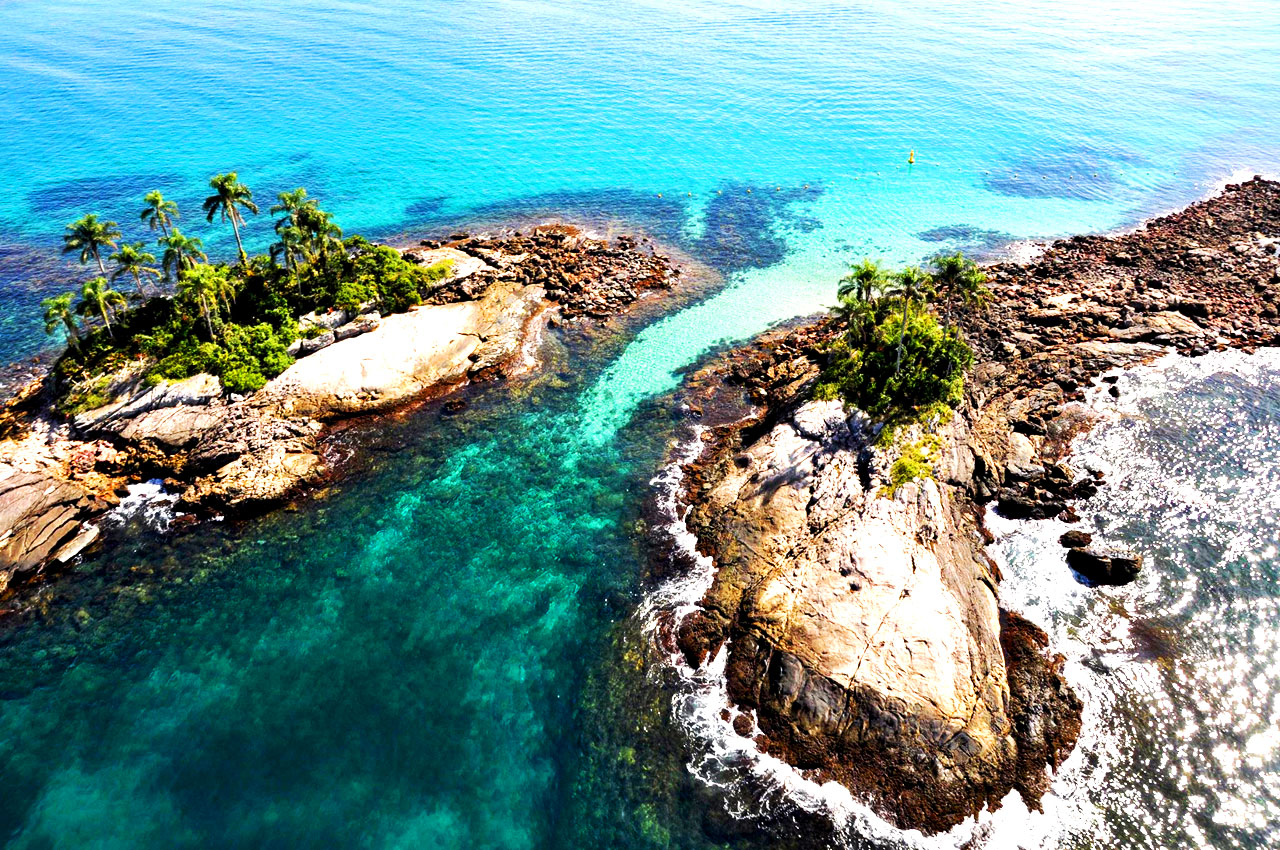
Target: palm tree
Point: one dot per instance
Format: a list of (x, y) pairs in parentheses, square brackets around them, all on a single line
[(858, 293), (89, 235), (97, 297), (200, 286), (58, 314), (134, 259), (290, 203), (956, 276), (912, 282), (865, 281), (181, 252), (229, 194), (318, 227), (223, 286), (292, 245), (159, 213)]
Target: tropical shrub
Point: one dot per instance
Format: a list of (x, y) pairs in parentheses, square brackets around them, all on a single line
[(235, 322), (865, 371)]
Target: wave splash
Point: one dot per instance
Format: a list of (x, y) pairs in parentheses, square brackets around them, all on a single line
[(1189, 450), (147, 506)]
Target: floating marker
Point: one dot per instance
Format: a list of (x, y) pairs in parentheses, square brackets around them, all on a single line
[(911, 158)]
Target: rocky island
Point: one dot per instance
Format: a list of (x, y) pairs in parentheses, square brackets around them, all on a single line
[(423, 321), (859, 612)]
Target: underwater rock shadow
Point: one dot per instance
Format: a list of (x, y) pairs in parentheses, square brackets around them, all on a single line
[(974, 242), (744, 226), (1083, 172)]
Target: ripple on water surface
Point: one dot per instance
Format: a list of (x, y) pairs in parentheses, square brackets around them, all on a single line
[(1180, 671)]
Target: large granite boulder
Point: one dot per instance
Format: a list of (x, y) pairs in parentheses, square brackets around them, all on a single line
[(862, 627), (406, 354)]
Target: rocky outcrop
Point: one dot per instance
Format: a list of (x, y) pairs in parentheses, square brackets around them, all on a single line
[(174, 415), (862, 627), (1202, 279), (231, 453), (41, 517), (1104, 565)]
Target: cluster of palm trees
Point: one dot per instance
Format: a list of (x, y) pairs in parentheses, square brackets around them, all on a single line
[(870, 291), (305, 233)]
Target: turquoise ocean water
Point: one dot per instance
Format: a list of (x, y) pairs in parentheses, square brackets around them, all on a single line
[(443, 651)]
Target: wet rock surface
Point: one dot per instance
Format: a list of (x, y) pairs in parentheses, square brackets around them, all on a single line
[(1105, 565), (785, 523)]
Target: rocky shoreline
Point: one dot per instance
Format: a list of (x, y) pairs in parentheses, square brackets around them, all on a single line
[(227, 454), (864, 635)]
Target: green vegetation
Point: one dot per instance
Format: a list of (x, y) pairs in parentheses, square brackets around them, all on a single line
[(134, 259), (915, 461), (97, 298), (233, 321), (89, 235), (229, 195), (158, 213), (895, 360)]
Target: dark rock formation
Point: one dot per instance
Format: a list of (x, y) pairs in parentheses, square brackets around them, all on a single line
[(1105, 566)]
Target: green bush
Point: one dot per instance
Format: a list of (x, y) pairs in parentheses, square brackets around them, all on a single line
[(87, 396), (866, 373), (251, 356), (365, 272), (352, 293), (916, 461), (190, 358)]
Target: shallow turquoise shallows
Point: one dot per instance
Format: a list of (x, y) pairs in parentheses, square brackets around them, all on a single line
[(442, 651)]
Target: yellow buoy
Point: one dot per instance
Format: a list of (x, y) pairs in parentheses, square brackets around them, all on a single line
[(911, 158)]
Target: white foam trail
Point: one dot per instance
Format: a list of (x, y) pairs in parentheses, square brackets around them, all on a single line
[(755, 783)]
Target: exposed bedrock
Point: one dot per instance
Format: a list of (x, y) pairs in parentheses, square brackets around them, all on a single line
[(863, 628)]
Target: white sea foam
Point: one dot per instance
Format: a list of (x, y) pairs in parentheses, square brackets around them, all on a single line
[(1190, 508), (147, 504)]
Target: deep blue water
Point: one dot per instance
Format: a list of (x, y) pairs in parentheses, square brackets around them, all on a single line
[(439, 652)]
